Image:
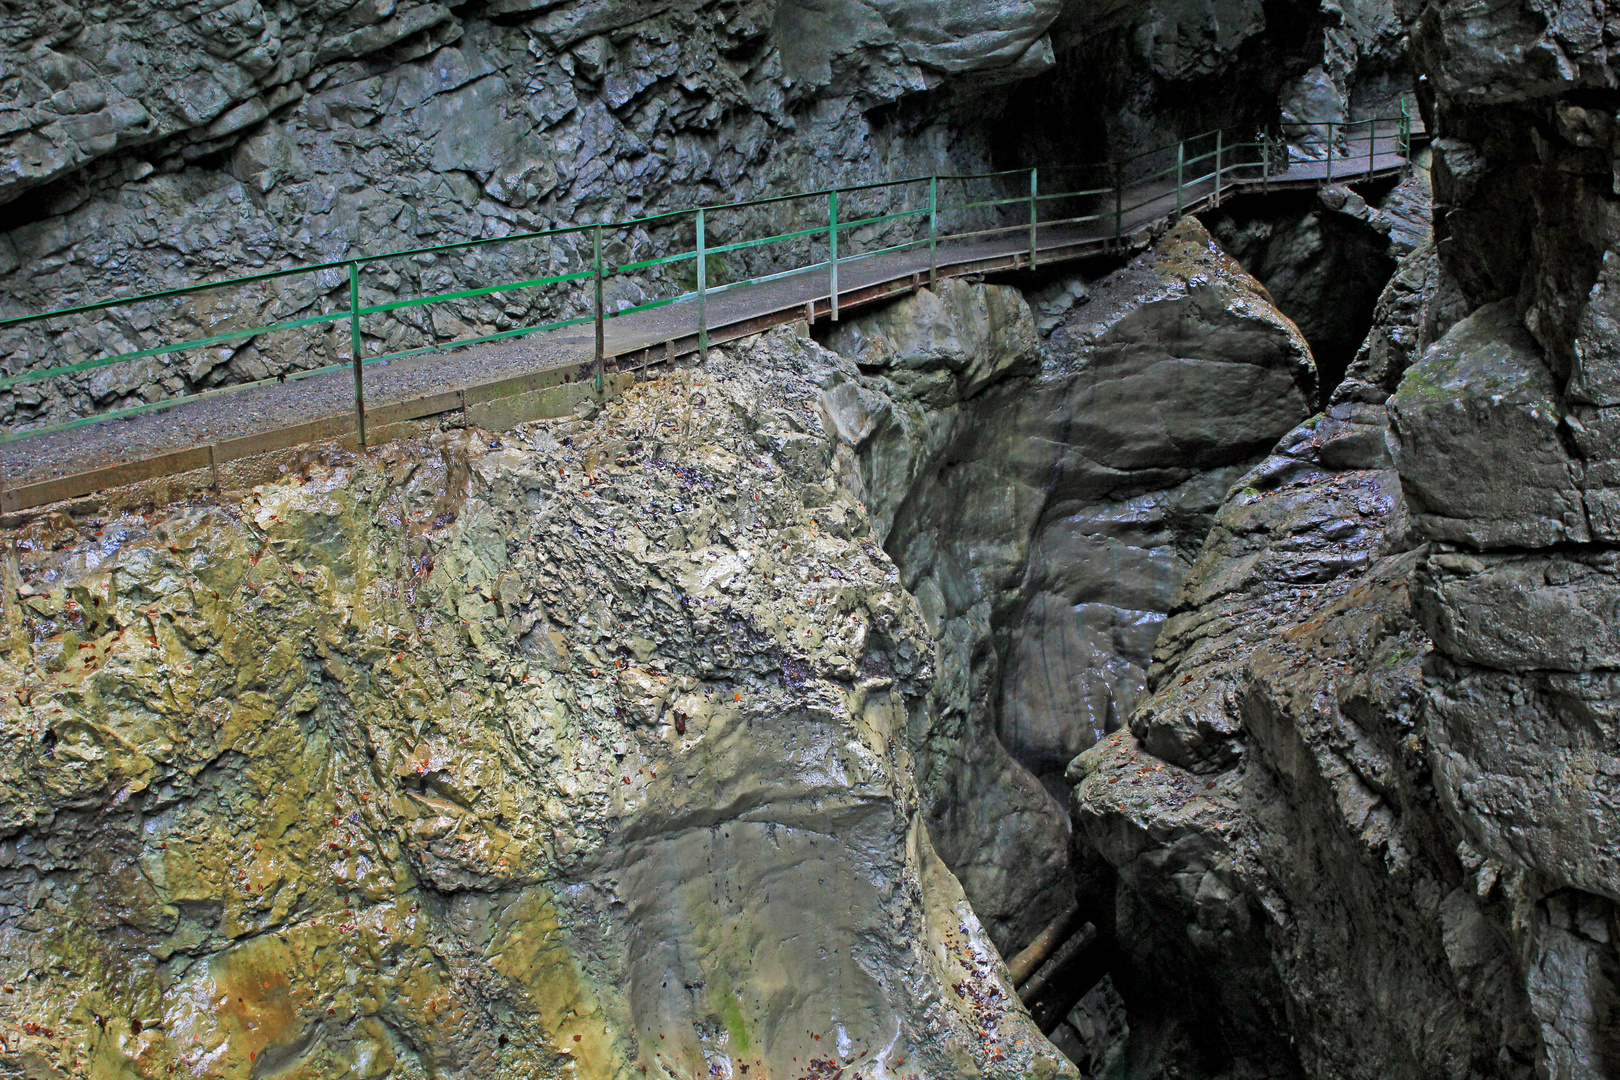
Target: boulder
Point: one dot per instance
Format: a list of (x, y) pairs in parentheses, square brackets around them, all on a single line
[(1478, 442)]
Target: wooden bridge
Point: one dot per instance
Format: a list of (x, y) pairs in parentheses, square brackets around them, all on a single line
[(1016, 220)]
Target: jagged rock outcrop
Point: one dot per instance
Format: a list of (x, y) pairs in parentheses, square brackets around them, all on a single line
[(1407, 805), (1043, 501), (1326, 257), (1516, 594), (1292, 895), (585, 749)]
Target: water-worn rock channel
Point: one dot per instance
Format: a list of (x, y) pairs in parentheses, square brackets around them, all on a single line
[(1242, 609)]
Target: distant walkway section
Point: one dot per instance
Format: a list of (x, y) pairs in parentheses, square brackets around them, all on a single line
[(916, 229)]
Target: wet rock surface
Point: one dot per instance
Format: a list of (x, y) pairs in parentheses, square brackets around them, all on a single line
[(1271, 814), (587, 748), (1043, 499), (1325, 257), (1392, 661)]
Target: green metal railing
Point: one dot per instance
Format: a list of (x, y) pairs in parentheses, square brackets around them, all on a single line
[(1120, 198)]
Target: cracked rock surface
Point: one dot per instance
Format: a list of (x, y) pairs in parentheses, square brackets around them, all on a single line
[(1043, 499), (584, 749)]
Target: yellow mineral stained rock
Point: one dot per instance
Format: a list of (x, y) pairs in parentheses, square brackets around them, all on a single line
[(573, 751)]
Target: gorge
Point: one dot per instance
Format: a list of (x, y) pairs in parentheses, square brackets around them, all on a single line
[(1229, 614)]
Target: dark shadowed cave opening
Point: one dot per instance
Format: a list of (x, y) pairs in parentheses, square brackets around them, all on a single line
[(1324, 269)]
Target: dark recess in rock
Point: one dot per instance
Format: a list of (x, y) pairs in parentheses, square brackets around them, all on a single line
[(1324, 269)]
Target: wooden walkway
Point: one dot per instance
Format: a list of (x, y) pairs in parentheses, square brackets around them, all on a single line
[(499, 385)]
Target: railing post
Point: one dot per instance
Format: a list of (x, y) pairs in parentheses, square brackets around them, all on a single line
[(1265, 159), (1372, 142), (355, 345), (1330, 152), (1181, 158), (1220, 137), (1119, 207), (601, 328), (832, 249), (933, 232), (1034, 213), (1405, 139), (702, 283)]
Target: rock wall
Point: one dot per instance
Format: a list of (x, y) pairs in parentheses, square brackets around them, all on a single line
[(1516, 591), (1326, 256), (582, 750), (1043, 499), (1270, 820), (149, 149), (1361, 825), (502, 751), (145, 145)]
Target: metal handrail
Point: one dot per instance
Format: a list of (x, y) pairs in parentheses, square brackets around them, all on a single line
[(1228, 158)]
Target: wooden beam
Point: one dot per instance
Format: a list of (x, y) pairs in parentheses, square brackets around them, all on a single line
[(1036, 953)]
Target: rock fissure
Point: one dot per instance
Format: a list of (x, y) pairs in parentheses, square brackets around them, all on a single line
[(737, 724)]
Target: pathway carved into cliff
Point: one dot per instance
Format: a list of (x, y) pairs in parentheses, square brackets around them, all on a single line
[(500, 379)]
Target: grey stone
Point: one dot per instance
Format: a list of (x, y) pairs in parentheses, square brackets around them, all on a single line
[(1526, 761), (1524, 612), (1479, 451), (1595, 379)]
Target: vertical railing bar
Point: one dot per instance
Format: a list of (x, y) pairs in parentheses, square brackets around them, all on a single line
[(1330, 152), (1219, 141), (933, 232), (702, 283), (1406, 138), (832, 252), (1034, 213), (1372, 142), (1119, 207), (601, 327), (1265, 159), (1181, 157), (355, 354)]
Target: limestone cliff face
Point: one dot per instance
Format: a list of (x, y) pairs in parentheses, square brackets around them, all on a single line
[(1292, 895), (1519, 585), (622, 741), (1369, 789), (1043, 499), (582, 750)]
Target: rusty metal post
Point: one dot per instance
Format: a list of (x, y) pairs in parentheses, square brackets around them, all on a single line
[(702, 283), (601, 328), (355, 354)]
